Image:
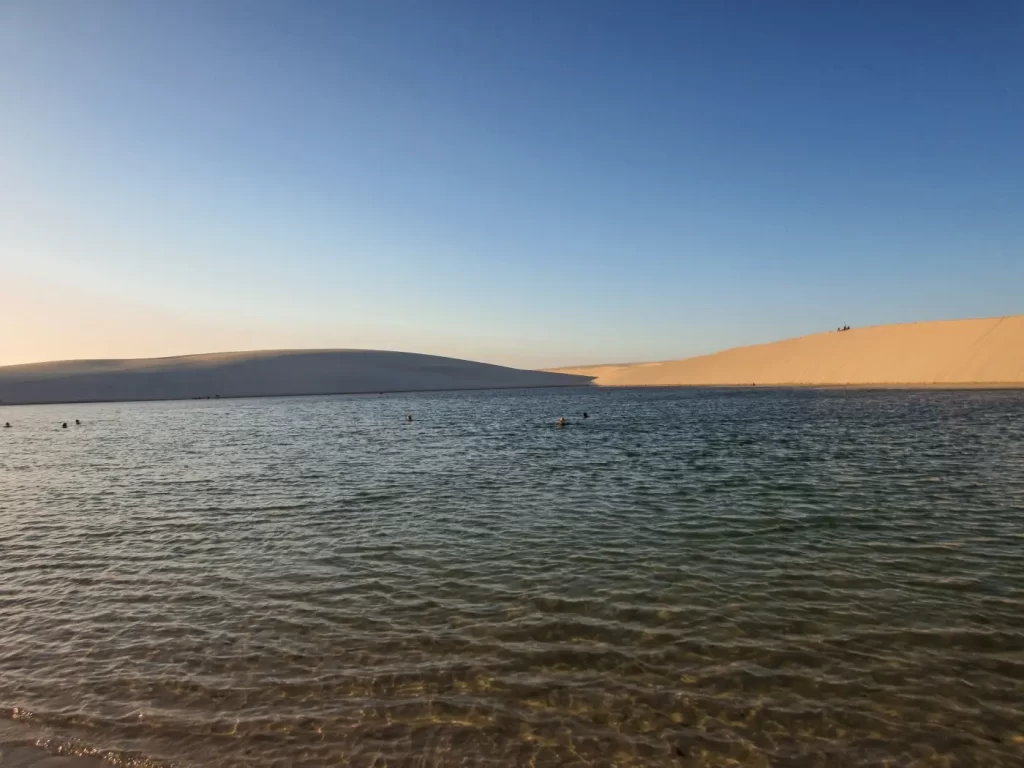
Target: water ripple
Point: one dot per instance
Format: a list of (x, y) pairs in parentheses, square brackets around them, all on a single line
[(690, 578)]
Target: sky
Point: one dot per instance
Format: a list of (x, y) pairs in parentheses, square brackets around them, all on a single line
[(526, 183)]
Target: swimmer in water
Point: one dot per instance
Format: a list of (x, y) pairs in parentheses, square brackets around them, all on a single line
[(78, 423), (562, 422), (585, 416), (7, 425), (409, 418), (64, 425)]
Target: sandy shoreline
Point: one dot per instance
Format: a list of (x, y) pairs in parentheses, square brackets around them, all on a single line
[(373, 393), (991, 386)]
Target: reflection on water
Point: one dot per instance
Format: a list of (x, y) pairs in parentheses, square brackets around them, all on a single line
[(785, 578)]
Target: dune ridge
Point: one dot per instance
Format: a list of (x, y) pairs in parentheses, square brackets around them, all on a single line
[(952, 353), (264, 373)]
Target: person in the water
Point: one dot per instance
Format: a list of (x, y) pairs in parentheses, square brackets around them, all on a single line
[(64, 425), (585, 415), (409, 417), (7, 425), (562, 422), (78, 423)]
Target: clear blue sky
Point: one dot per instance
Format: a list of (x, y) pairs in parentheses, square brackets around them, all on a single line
[(522, 182)]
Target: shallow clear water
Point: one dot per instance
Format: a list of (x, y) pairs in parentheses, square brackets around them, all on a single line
[(689, 577)]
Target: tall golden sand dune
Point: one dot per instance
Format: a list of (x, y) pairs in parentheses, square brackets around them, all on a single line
[(951, 353)]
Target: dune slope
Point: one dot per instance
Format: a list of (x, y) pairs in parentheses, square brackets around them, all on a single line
[(255, 374), (949, 352)]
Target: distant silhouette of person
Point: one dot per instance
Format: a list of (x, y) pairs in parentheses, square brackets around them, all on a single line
[(562, 422), (409, 417), (7, 425), (585, 416), (64, 425), (78, 423)]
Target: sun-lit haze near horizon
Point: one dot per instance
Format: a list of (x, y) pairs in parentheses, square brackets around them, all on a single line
[(530, 184)]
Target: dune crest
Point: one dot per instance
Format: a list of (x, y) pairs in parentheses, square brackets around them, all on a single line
[(259, 374), (942, 353)]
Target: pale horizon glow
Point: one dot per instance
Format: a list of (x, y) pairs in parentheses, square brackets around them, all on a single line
[(527, 184)]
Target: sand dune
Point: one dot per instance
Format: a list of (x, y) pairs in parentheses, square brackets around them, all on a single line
[(943, 353), (256, 374)]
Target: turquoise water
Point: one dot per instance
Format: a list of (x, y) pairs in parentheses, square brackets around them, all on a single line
[(688, 577)]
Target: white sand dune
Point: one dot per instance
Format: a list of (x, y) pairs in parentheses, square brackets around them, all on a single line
[(954, 353), (258, 374)]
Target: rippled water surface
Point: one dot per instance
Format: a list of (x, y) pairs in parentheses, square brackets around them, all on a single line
[(750, 578)]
